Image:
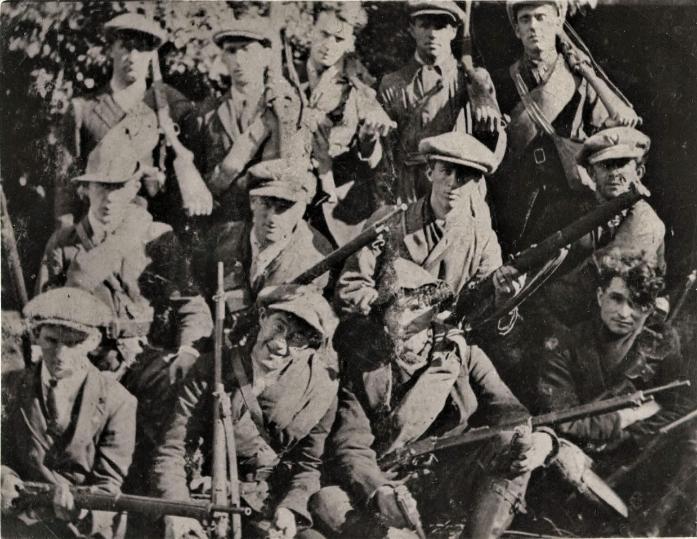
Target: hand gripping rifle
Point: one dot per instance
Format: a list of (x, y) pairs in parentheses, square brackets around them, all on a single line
[(404, 455), (474, 306), (245, 319), (224, 449), (196, 197), (35, 493)]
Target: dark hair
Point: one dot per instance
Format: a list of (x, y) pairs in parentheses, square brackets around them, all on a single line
[(643, 279)]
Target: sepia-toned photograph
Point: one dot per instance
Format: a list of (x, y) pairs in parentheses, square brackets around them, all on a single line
[(398, 269)]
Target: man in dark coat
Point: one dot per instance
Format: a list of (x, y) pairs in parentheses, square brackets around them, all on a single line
[(64, 422), (282, 385), (404, 380)]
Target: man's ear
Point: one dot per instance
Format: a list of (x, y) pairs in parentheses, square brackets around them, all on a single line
[(516, 31), (640, 170), (410, 28), (599, 294)]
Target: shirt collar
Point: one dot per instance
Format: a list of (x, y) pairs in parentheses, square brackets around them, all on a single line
[(447, 66), (129, 96), (70, 384), (98, 229)]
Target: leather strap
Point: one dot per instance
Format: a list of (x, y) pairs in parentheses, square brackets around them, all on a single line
[(248, 396)]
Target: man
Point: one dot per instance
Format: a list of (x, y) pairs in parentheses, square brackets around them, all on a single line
[(536, 191), (404, 380), (256, 120), (64, 422), (447, 232), (126, 104), (346, 119), (277, 245), (137, 268), (429, 96), (619, 351), (282, 386)]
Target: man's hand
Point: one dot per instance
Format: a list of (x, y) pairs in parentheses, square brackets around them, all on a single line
[(530, 451), (629, 416), (507, 282), (284, 521), (153, 179), (63, 503), (388, 508), (183, 528), (373, 125), (10, 488), (180, 365), (623, 115)]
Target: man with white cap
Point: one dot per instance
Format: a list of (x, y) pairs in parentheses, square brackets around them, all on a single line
[(430, 96), (407, 378), (448, 232), (64, 422), (282, 387), (126, 104), (137, 267), (277, 245), (553, 107), (253, 121)]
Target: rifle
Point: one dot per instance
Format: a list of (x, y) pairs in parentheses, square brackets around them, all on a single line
[(649, 451), (224, 450), (196, 197), (36, 493), (9, 243), (407, 453), (684, 292), (245, 319), (474, 306)]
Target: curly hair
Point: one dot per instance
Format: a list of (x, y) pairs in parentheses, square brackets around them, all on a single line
[(351, 13), (643, 279)]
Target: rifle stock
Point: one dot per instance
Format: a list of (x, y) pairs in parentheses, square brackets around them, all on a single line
[(410, 451), (35, 493), (475, 302)]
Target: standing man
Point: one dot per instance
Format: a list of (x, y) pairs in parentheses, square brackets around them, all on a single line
[(277, 245), (405, 380), (128, 105), (64, 422), (346, 120), (447, 232), (429, 96), (256, 120), (137, 267), (282, 386), (553, 108)]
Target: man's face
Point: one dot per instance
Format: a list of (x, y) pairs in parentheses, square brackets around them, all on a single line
[(64, 350), (109, 201), (618, 312), (246, 61), (409, 325), (433, 35), (537, 27), (448, 179), (274, 219), (615, 176), (130, 55), (332, 39), (280, 339)]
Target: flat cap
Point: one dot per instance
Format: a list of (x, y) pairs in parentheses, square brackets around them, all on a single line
[(289, 179), (304, 302), (249, 29), (113, 160), (512, 6), (459, 148), (614, 143), (137, 23), (435, 7), (71, 307)]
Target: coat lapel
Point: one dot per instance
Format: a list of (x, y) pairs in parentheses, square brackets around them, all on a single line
[(225, 116), (92, 405)]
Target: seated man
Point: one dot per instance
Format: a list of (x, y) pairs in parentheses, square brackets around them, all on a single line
[(404, 380), (277, 245), (282, 386), (64, 422), (447, 232), (617, 352)]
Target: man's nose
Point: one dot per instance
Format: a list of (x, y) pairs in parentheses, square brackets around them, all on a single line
[(279, 346), (625, 310)]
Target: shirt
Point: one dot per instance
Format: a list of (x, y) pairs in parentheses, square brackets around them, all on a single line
[(261, 258), (66, 390), (128, 97)]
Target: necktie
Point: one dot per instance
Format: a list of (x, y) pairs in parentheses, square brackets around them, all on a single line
[(52, 407)]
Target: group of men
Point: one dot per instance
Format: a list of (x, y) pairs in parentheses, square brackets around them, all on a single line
[(335, 374)]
